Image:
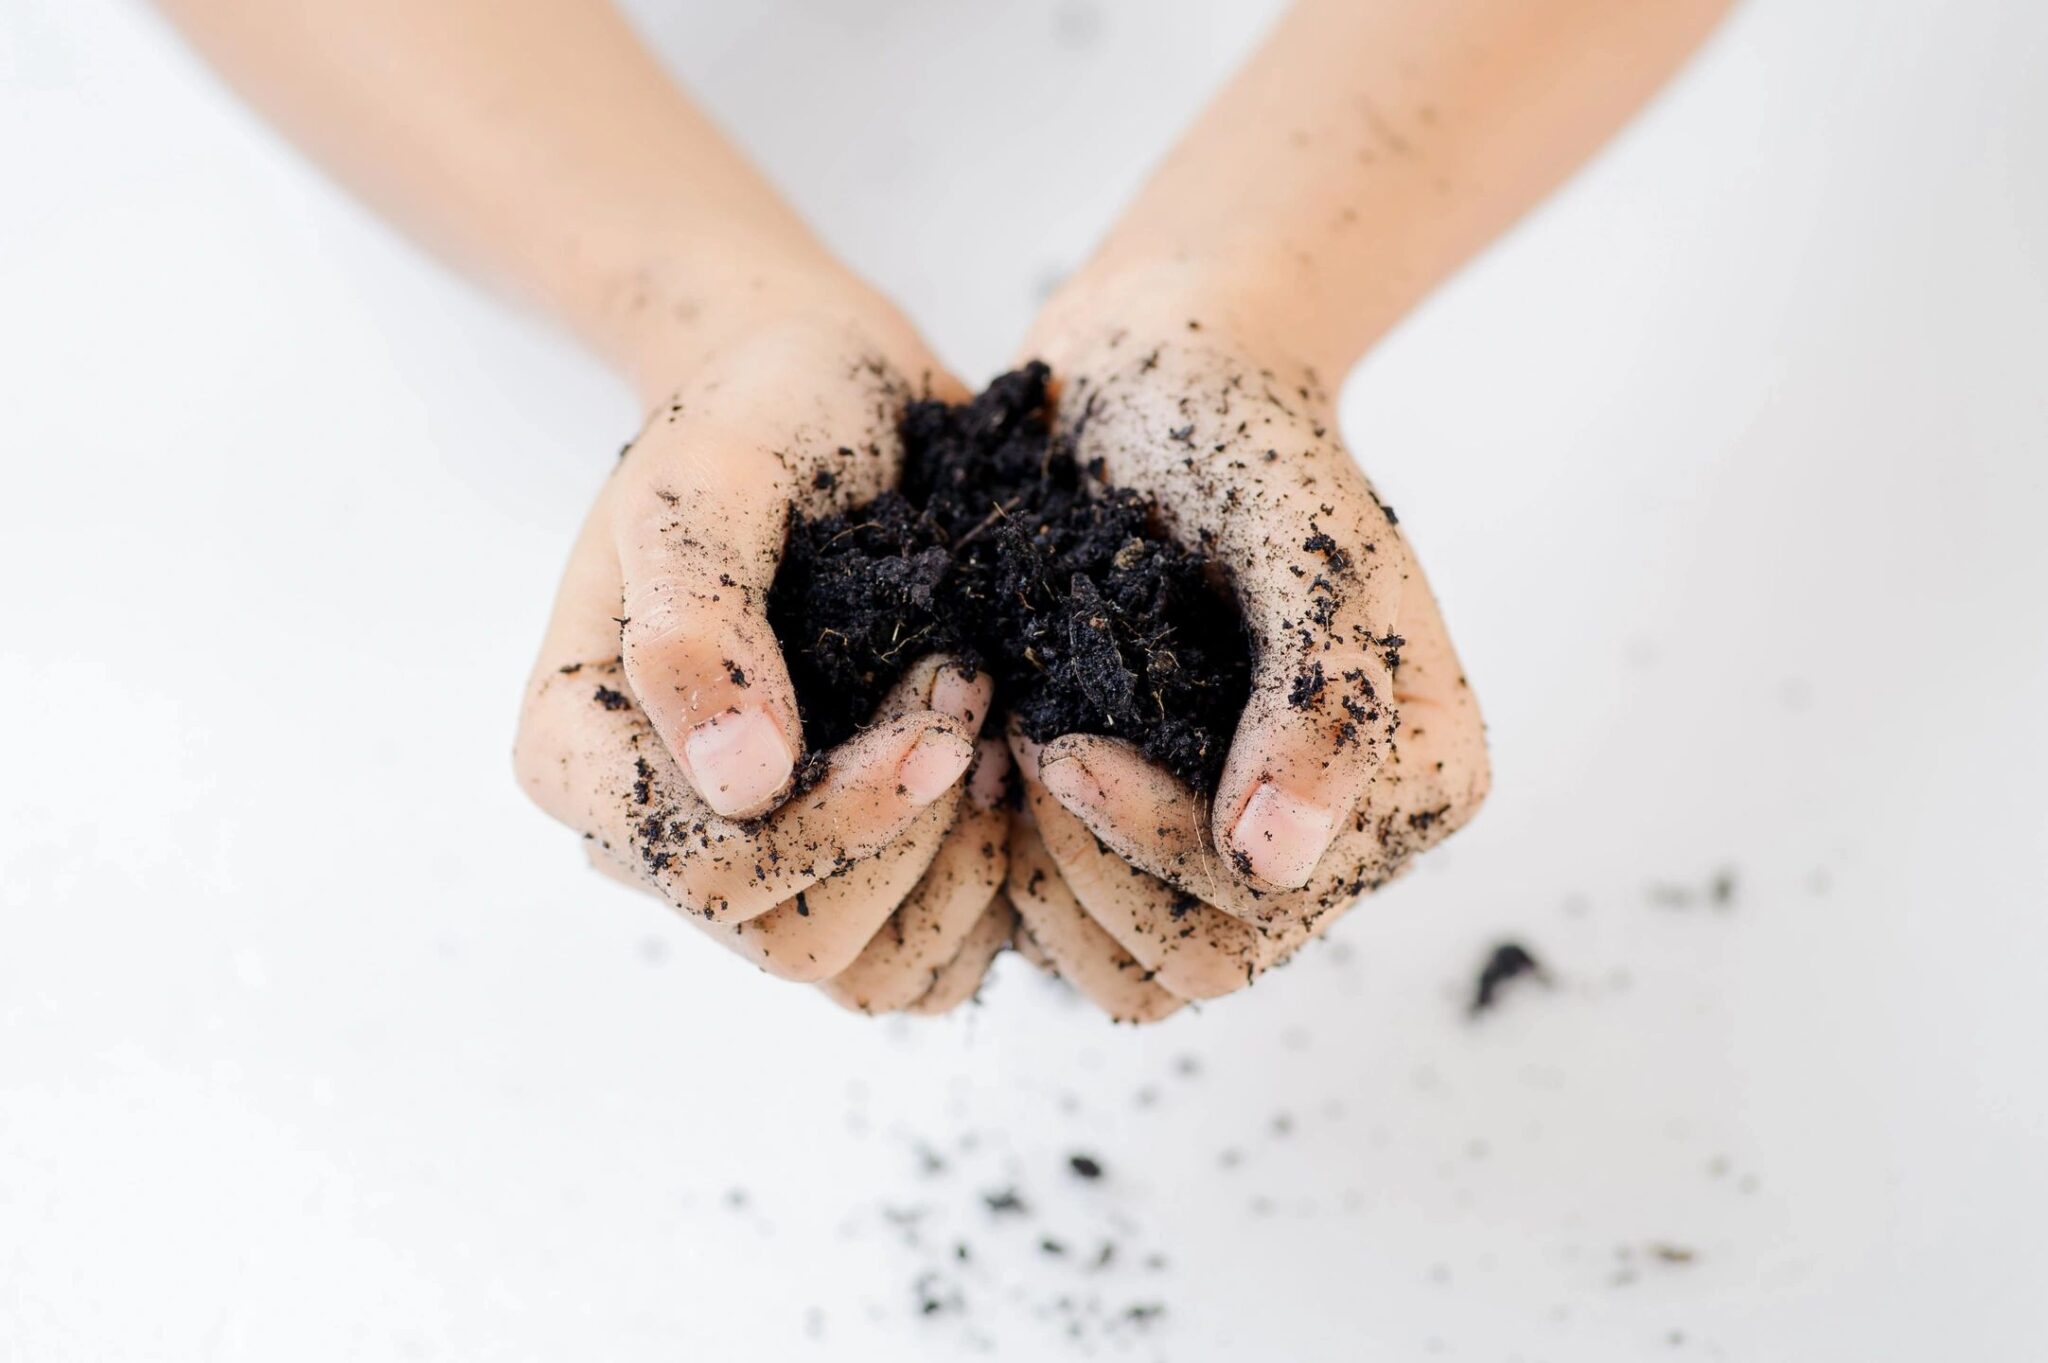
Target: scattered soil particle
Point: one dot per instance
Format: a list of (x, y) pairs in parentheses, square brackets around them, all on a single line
[(1307, 686), (811, 769), (1005, 1202), (610, 699), (1508, 961), (1085, 1166), (1000, 549), (1721, 889), (1321, 542)]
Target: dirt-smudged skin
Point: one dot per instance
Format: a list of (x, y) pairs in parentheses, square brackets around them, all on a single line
[(1001, 547), (1018, 540), (662, 616), (1242, 458), (1243, 461)]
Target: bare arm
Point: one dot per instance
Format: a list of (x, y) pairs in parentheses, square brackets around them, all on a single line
[(1373, 146), (1367, 150), (537, 145)]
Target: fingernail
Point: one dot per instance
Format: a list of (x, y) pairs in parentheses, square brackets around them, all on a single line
[(933, 766), (1071, 783), (740, 760), (955, 693), (1282, 836)]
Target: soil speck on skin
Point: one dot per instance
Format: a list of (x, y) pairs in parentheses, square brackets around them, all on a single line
[(1001, 550), (1508, 961), (1322, 542)]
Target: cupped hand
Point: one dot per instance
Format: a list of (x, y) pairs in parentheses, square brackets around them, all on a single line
[(660, 721), (1361, 744)]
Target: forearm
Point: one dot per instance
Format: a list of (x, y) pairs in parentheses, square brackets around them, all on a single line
[(1369, 149), (538, 145)]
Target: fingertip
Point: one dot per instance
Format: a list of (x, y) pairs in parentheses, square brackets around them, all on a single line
[(1280, 836), (1069, 781), (711, 679), (1110, 779), (1069, 745), (939, 758), (964, 692), (740, 761), (1112, 757)]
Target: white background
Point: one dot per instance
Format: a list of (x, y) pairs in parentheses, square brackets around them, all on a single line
[(316, 1043)]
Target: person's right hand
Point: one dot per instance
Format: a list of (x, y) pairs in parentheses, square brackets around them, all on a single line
[(660, 721)]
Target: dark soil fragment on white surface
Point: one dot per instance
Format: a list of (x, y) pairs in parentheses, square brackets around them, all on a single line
[(1508, 961)]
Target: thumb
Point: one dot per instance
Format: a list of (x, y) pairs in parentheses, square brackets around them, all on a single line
[(698, 542), (1321, 715)]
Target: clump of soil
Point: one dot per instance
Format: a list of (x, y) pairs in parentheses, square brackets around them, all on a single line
[(1001, 549)]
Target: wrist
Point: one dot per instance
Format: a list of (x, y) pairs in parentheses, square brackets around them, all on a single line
[(1250, 308), (661, 321)]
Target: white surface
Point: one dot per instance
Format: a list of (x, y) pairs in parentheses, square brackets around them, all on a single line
[(315, 1043)]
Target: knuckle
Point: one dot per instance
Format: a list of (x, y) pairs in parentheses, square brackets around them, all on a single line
[(658, 614)]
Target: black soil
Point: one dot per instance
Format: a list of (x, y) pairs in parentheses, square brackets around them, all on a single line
[(1002, 550), (1507, 961)]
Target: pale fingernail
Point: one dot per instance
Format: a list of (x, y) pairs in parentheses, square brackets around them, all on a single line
[(1282, 836), (933, 766), (739, 760), (957, 693), (1072, 784)]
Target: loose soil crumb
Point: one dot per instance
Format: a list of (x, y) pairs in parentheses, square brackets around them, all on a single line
[(1002, 550), (1509, 960)]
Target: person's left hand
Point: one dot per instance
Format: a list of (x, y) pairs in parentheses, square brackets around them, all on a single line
[(1361, 745)]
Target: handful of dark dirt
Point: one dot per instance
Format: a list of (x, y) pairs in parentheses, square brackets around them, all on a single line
[(1002, 550)]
